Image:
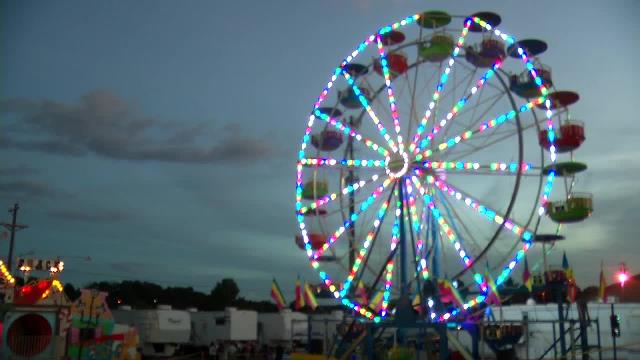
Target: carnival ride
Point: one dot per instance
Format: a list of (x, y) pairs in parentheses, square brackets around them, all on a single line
[(427, 165)]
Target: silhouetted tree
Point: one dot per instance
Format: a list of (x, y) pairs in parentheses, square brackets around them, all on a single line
[(71, 292), (224, 293)]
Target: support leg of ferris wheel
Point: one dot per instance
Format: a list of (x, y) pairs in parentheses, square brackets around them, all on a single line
[(405, 316)]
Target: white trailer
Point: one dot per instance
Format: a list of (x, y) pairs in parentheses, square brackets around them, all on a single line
[(285, 326), (162, 331), (228, 325)]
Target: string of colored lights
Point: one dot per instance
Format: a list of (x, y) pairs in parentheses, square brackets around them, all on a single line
[(301, 210), (6, 274), (364, 250), (395, 237), (490, 124), (342, 163), (55, 283), (363, 100), (443, 80), (346, 130), (416, 226), (473, 166), (347, 224), (392, 100), (459, 105), (451, 236), (486, 211)]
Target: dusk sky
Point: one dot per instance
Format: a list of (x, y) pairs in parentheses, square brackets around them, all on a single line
[(159, 138)]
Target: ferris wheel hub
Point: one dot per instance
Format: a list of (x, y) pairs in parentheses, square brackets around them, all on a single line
[(397, 164)]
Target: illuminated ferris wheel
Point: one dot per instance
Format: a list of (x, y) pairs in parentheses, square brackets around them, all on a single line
[(429, 160)]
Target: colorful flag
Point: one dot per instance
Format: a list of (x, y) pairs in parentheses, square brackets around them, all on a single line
[(361, 293), (310, 297), (602, 292), (493, 296), (299, 302), (527, 279), (567, 269), (448, 293), (417, 303), (276, 295), (376, 302)]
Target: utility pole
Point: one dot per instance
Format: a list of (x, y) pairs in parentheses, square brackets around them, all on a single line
[(13, 228)]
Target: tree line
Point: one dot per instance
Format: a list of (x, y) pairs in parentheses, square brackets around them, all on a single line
[(147, 295)]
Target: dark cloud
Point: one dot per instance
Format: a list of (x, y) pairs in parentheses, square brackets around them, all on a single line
[(20, 170), (101, 123), (89, 215), (21, 189)]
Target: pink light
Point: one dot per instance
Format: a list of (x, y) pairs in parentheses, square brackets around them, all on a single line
[(622, 278)]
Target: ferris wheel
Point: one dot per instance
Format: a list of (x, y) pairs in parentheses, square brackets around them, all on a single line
[(430, 155)]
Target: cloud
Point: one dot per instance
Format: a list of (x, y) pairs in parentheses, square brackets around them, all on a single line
[(103, 124), (21, 189), (20, 170), (89, 215)]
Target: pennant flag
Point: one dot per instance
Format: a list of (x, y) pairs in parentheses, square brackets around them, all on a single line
[(527, 279), (310, 297), (361, 293), (449, 294), (567, 269), (493, 296), (299, 302), (603, 286), (276, 295), (376, 302), (417, 303)]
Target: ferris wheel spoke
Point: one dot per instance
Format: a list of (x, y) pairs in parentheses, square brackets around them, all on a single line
[(491, 100), (490, 140), (364, 206), (393, 106), (417, 226), (395, 238), (323, 201), (475, 168), (485, 126), (485, 211), (443, 224), (343, 163), (349, 131), (455, 84), (440, 88), (366, 248), (468, 234), (491, 215), (367, 107), (436, 128)]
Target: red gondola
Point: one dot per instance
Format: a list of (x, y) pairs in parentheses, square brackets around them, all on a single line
[(397, 63), (569, 138), (316, 241), (393, 37)]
